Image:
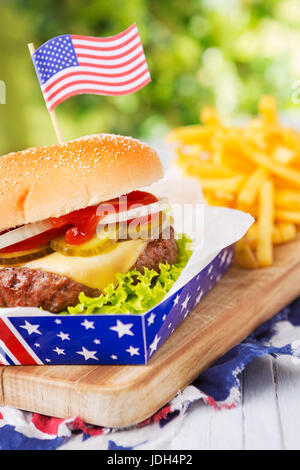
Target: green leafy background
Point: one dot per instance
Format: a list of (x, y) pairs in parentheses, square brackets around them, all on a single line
[(221, 52)]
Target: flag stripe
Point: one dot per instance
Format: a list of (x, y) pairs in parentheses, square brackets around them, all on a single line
[(109, 64), (7, 354), (82, 46), (14, 341), (79, 79), (105, 88), (56, 102), (100, 54), (88, 70), (3, 361), (110, 39), (107, 77), (111, 60)]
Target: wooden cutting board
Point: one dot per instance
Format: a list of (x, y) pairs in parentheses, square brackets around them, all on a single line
[(124, 395)]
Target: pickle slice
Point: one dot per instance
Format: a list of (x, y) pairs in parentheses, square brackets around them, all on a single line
[(20, 257), (93, 247), (108, 235), (150, 230)]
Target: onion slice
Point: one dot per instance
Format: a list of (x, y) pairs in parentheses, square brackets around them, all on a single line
[(134, 213), (22, 233)]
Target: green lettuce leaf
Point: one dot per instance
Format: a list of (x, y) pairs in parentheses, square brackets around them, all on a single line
[(136, 292)]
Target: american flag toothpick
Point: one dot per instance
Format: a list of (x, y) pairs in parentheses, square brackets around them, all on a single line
[(70, 65)]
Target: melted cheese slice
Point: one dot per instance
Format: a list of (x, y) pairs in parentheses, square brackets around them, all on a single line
[(94, 271)]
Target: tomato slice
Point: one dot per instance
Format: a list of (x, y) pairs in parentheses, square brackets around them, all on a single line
[(35, 241)]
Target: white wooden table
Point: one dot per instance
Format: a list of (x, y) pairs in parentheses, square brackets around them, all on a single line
[(268, 417)]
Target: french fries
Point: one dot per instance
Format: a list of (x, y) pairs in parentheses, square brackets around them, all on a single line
[(255, 168)]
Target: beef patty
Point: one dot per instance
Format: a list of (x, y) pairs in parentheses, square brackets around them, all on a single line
[(24, 287)]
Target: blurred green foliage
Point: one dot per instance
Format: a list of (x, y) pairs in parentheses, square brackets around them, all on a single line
[(221, 52)]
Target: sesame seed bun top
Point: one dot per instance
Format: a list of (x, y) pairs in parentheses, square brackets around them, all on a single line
[(51, 181)]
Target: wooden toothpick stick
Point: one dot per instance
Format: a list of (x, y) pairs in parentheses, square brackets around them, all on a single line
[(52, 113)]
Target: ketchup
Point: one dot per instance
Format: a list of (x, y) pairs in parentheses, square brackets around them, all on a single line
[(85, 221), (80, 226)]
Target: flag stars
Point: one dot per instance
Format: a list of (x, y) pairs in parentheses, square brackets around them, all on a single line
[(59, 351), (31, 328), (133, 351), (97, 341), (153, 346), (185, 302), (87, 354), (223, 258), (88, 324), (198, 298), (64, 336), (176, 300), (114, 357), (151, 319), (122, 329)]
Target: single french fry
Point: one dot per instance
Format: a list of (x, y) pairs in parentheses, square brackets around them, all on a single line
[(249, 191), (276, 236), (244, 255), (284, 155), (287, 199), (283, 232), (251, 235), (232, 184), (267, 107), (264, 250), (287, 231), (283, 172), (288, 216), (191, 134), (209, 116)]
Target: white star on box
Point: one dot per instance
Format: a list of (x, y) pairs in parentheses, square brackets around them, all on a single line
[(114, 357), (176, 300), (64, 336), (57, 321), (198, 298), (59, 351), (122, 329), (87, 354), (97, 341), (133, 351), (88, 324), (153, 346), (31, 328), (185, 302), (150, 319), (223, 258)]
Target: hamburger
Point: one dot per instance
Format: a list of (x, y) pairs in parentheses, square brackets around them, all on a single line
[(73, 217)]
